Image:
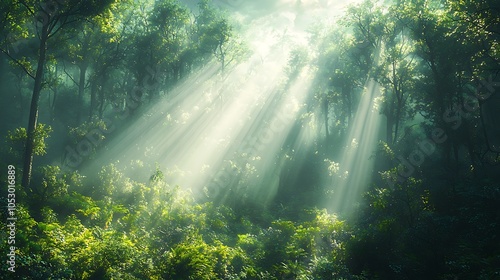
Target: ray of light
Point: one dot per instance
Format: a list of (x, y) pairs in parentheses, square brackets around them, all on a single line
[(198, 127), (352, 174), (220, 134)]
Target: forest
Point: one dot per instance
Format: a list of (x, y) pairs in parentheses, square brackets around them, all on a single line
[(264, 139)]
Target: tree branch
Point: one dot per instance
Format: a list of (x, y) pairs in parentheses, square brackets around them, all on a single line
[(69, 75), (27, 7), (18, 63)]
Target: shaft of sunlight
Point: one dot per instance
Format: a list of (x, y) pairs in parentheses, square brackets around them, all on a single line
[(225, 133), (355, 164)]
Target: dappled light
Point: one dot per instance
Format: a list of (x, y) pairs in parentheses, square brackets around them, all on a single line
[(224, 133), (264, 139)]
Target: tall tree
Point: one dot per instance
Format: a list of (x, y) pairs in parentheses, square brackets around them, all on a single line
[(445, 75), (396, 74), (213, 32), (49, 17)]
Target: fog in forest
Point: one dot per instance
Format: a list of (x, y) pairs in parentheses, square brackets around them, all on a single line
[(231, 139)]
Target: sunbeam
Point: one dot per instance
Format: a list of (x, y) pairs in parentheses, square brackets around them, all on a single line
[(220, 133), (352, 174), (263, 139), (228, 134)]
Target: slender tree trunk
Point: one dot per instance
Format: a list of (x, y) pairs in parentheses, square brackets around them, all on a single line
[(52, 101), (101, 94), (52, 105), (20, 94), (81, 89), (390, 119), (325, 109), (346, 92), (93, 98), (392, 128), (33, 118), (222, 59), (388, 132), (398, 117)]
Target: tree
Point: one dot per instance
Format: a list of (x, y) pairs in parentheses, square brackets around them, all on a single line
[(347, 60), (97, 50), (444, 79), (478, 20), (367, 24), (170, 22), (335, 81), (213, 32), (396, 74), (49, 18)]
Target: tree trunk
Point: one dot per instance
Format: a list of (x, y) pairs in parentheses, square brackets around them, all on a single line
[(346, 93), (390, 119), (81, 89), (222, 59), (19, 95), (33, 118), (93, 97), (102, 99), (52, 105), (399, 113), (325, 108), (52, 101), (388, 129)]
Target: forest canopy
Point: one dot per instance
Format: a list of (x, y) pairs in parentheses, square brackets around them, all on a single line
[(225, 139)]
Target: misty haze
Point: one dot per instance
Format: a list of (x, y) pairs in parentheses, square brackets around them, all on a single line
[(266, 139)]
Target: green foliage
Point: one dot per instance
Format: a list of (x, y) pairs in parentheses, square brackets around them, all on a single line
[(192, 259), (166, 235), (428, 57), (298, 59), (54, 184), (18, 137)]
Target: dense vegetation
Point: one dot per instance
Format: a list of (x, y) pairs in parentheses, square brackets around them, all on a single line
[(431, 211)]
